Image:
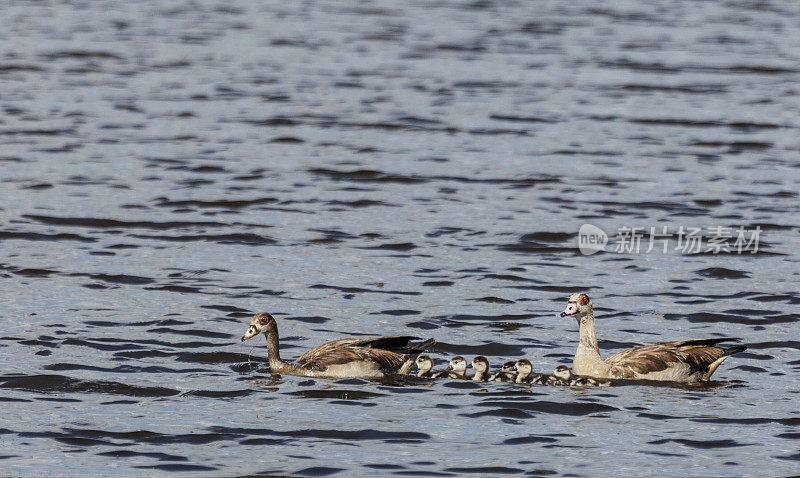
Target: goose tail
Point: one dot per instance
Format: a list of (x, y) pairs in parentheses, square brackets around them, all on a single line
[(420, 347), (726, 352)]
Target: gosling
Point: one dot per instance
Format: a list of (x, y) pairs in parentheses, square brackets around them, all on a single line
[(565, 375), (457, 369), (481, 366), (424, 363)]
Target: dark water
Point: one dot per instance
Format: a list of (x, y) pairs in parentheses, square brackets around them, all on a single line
[(168, 169)]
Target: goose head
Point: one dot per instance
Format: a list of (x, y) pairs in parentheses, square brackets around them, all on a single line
[(458, 365), (480, 364), (261, 323), (424, 363), (524, 367), (579, 306), (562, 372)]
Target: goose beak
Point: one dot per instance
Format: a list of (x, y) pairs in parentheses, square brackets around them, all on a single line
[(572, 309), (251, 332)]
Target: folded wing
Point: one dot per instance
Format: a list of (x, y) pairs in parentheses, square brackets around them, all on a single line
[(671, 360), (387, 352)]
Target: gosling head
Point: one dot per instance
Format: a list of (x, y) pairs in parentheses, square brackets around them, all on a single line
[(458, 365), (480, 364), (261, 323), (562, 372), (524, 367), (508, 366), (579, 306), (424, 363)]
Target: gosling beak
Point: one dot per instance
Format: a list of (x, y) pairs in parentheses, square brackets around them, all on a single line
[(564, 314), (251, 332)]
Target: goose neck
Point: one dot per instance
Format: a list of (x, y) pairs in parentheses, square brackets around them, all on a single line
[(273, 349), (588, 334)]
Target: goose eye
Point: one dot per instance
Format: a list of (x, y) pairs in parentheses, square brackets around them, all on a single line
[(584, 300)]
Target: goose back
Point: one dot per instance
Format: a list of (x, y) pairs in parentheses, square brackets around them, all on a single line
[(374, 353), (679, 360)]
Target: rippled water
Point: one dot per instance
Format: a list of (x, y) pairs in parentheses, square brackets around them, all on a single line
[(168, 169)]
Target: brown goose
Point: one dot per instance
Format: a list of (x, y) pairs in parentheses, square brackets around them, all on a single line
[(374, 357), (681, 361)]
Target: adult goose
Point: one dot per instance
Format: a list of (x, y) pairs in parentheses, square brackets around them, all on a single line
[(375, 357), (680, 361)]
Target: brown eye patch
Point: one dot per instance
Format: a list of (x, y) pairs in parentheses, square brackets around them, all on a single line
[(584, 299)]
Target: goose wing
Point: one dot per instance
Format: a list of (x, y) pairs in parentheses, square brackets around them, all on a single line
[(681, 358), (388, 351)]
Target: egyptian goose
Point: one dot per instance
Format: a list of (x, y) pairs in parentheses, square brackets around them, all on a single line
[(375, 357), (681, 361)]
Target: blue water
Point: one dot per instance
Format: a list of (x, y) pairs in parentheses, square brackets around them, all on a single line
[(168, 169)]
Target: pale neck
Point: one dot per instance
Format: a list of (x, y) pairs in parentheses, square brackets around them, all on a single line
[(273, 349), (587, 359), (588, 334)]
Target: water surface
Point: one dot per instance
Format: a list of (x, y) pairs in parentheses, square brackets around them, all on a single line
[(168, 169)]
